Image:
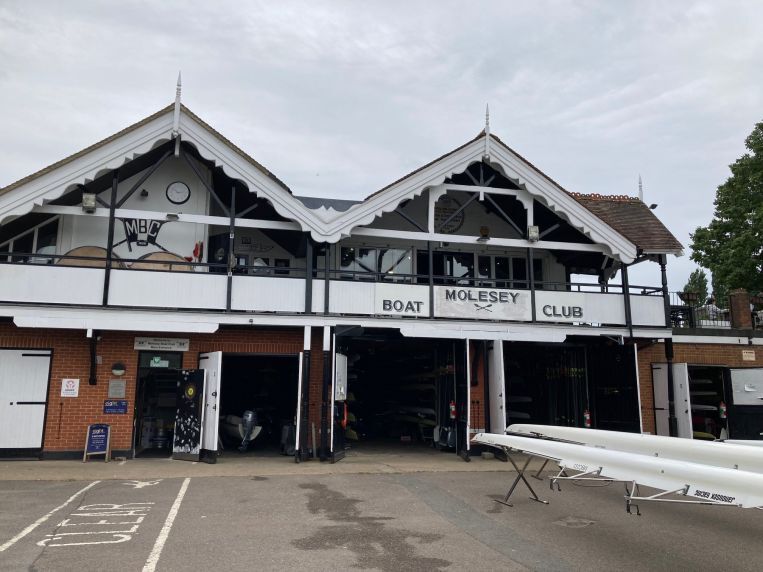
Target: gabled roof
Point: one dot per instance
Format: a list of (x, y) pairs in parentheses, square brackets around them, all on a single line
[(130, 129), (53, 181), (628, 216), (623, 224)]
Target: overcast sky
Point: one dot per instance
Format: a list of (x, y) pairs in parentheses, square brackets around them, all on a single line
[(340, 98)]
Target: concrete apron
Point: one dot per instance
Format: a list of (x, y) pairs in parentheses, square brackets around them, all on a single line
[(233, 465)]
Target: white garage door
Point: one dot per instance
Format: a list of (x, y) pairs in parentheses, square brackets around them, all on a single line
[(23, 395)]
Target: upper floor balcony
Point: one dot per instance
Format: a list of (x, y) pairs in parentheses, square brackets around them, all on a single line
[(85, 277)]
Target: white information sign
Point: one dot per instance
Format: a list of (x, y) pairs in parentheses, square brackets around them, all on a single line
[(162, 344), (401, 299), (70, 388), (482, 303)]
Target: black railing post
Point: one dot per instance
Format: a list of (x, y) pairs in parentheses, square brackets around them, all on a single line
[(531, 277), (231, 249), (110, 238), (627, 300), (309, 276), (431, 278), (327, 285)]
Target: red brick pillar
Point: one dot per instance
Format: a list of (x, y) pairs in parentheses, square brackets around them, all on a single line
[(739, 308)]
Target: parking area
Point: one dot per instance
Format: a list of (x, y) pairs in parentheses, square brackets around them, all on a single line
[(414, 521)]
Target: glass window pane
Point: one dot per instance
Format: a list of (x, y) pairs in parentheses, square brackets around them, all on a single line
[(538, 273), (459, 265), (23, 244), (395, 261), (483, 267), (281, 263), (519, 272), (358, 259), (46, 236), (422, 266)]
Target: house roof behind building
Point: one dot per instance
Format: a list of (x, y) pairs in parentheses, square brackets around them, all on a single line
[(634, 220)]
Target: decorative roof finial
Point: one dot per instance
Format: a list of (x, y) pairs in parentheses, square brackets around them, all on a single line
[(640, 189), (487, 132), (176, 117)]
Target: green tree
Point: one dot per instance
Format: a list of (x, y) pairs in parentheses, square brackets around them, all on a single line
[(731, 246), (697, 283)]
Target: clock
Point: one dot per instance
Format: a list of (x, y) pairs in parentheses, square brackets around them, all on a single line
[(178, 193)]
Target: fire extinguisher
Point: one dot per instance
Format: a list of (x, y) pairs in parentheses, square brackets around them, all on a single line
[(722, 409), (452, 409), (587, 419)]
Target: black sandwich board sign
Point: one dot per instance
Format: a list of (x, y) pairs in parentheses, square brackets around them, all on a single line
[(186, 444), (98, 441)]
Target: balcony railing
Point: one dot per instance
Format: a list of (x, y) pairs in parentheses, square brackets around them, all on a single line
[(687, 310), (171, 282)]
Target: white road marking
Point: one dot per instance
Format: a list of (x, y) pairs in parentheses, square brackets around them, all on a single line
[(153, 558), (141, 484), (43, 518)]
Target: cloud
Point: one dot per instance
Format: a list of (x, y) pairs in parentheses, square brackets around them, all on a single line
[(340, 98)]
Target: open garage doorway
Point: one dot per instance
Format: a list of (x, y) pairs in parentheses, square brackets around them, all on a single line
[(403, 394), (267, 385)]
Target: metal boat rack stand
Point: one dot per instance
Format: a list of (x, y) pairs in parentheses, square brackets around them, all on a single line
[(521, 477)]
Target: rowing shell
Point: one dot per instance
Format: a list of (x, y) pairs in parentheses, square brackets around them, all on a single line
[(713, 453), (716, 485)]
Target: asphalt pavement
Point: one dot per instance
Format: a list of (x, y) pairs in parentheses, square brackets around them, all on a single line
[(390, 521)]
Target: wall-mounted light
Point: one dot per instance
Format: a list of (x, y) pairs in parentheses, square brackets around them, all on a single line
[(533, 233), (118, 369), (88, 202), (484, 234)]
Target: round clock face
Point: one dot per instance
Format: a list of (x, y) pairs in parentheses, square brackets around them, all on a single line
[(178, 193)]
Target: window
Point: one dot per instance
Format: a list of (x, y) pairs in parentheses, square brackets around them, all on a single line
[(281, 263), (454, 268), (39, 240), (394, 262), (357, 260)]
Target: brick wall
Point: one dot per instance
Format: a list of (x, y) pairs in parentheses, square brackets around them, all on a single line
[(694, 354), (67, 418)]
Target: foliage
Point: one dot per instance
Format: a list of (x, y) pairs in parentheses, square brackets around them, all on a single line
[(697, 283), (731, 246)]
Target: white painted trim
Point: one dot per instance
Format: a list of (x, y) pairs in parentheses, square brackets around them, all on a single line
[(463, 239), (182, 217), (722, 340), (468, 395), (638, 390), (52, 185), (307, 338), (333, 394), (202, 322)]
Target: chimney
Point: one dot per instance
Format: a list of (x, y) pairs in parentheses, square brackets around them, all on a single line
[(739, 308)]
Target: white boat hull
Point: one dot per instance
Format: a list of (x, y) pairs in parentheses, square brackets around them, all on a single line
[(713, 453), (703, 482)]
